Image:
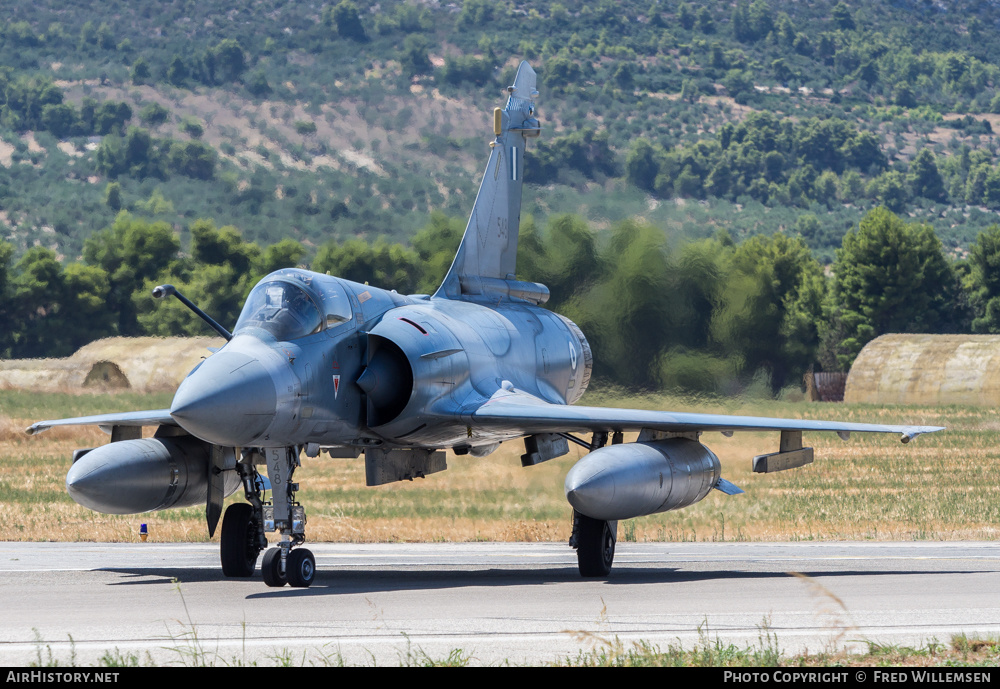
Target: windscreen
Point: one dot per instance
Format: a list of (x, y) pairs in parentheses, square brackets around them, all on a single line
[(281, 308)]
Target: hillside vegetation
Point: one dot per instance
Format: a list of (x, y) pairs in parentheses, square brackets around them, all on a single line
[(700, 163)]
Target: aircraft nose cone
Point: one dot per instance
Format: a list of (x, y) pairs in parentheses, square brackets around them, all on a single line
[(590, 489), (229, 400)]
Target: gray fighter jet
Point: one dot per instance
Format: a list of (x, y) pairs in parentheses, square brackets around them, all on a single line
[(317, 364)]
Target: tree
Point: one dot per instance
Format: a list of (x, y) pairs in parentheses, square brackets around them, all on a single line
[(109, 157), (113, 196), (305, 127), (991, 188), (217, 289), (461, 68), (690, 359), (381, 263), (88, 35), (229, 61), (135, 155), (706, 23), (561, 72), (769, 308), (924, 178), (6, 303), (740, 22), (825, 188), (640, 165), (193, 159), (111, 116), (690, 92), (57, 311), (140, 73), (891, 277), (257, 85), (86, 316), (177, 72), (287, 253), (475, 13), (890, 189), (784, 31), (153, 115), (437, 243), (761, 21), (105, 39), (192, 127), (739, 84), (130, 251), (414, 58), (586, 152), (983, 281), (975, 183), (347, 21), (222, 246), (623, 311), (686, 16), (21, 33), (564, 257), (781, 70), (60, 119), (624, 76), (842, 17), (37, 292)]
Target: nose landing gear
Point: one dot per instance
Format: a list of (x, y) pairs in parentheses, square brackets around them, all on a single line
[(244, 526)]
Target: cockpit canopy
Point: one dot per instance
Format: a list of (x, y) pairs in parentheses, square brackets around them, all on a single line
[(289, 305)]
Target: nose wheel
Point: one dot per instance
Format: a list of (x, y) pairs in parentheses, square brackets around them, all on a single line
[(298, 572), (300, 568), (270, 568), (287, 563)]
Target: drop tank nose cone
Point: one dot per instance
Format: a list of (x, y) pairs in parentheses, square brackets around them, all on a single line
[(90, 484), (589, 488), (229, 400), (119, 478)]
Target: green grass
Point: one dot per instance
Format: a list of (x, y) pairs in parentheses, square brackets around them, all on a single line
[(29, 404)]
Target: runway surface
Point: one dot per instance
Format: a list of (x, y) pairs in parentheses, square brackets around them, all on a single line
[(387, 604)]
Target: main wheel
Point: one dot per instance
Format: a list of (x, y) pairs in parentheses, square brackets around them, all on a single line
[(300, 567), (270, 568), (238, 547), (595, 549)]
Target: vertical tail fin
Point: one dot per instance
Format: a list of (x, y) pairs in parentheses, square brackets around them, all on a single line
[(486, 260)]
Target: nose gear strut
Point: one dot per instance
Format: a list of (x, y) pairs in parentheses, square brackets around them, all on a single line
[(245, 525), (286, 516)]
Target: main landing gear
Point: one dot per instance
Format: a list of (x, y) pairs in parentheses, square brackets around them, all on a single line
[(245, 525), (594, 540), (240, 540)]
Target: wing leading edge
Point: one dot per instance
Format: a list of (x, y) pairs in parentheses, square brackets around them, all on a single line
[(522, 412), (152, 417)]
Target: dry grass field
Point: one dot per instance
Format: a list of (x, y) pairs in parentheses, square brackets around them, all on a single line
[(940, 486)]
